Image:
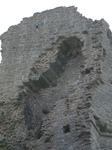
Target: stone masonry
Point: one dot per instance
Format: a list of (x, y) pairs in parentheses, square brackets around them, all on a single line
[(56, 83)]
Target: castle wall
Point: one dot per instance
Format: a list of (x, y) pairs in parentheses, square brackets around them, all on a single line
[(25, 42), (55, 83), (102, 107)]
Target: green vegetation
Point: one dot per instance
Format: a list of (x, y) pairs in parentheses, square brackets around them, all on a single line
[(85, 32), (45, 110)]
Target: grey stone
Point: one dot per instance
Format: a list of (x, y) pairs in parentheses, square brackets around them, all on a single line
[(59, 60)]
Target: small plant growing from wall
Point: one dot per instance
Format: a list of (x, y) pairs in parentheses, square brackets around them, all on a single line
[(45, 110), (85, 32)]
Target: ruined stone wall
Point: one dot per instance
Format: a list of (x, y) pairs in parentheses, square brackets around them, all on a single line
[(55, 83), (101, 103), (25, 42)]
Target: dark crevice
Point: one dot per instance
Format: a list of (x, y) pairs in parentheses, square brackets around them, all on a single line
[(104, 52), (88, 70), (66, 128), (37, 26)]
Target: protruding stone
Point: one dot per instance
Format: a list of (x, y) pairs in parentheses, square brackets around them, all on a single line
[(36, 83), (62, 58), (57, 67), (44, 82), (28, 84), (50, 76)]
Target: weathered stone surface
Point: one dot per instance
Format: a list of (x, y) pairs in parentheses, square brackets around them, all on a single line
[(55, 83)]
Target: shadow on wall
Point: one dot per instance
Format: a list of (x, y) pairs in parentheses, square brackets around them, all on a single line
[(70, 48), (32, 107)]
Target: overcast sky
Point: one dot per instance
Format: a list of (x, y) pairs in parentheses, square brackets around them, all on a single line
[(12, 11)]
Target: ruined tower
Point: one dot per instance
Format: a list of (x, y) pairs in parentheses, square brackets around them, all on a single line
[(56, 83)]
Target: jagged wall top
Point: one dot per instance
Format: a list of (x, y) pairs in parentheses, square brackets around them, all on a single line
[(28, 49), (23, 44)]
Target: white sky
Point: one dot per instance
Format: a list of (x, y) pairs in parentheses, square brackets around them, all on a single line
[(12, 11)]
